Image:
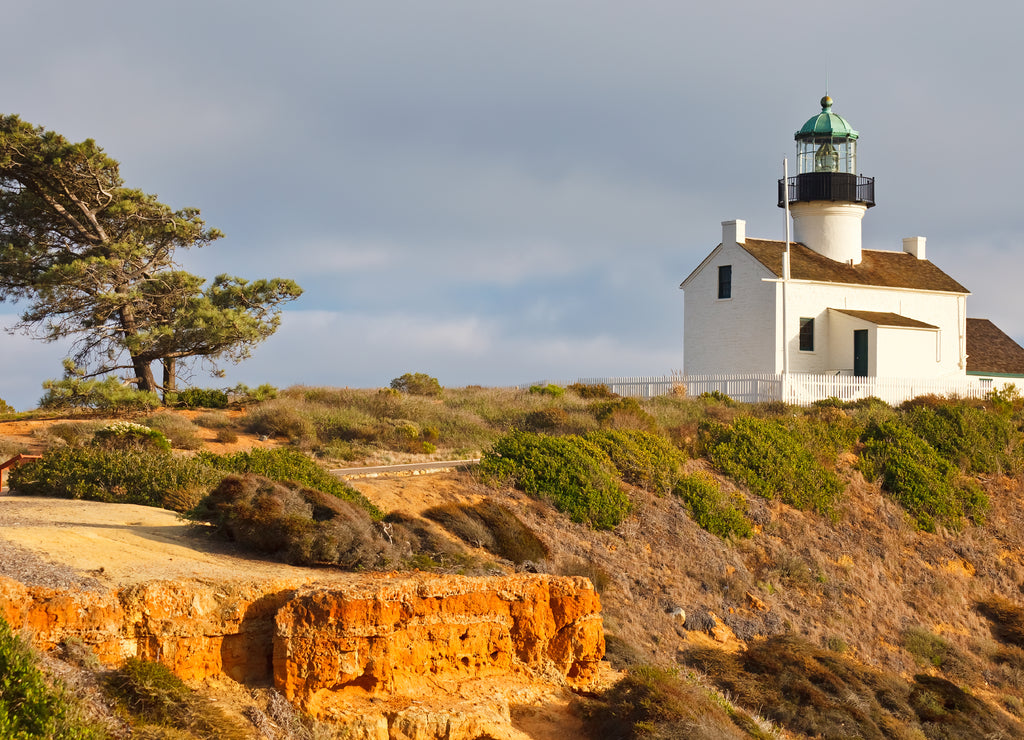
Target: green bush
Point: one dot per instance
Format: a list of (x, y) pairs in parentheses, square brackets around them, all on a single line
[(126, 435), (203, 398), (623, 413), (717, 397), (555, 391), (969, 436), (108, 394), (5, 408), (642, 458), (919, 478), (711, 508), (179, 431), (596, 391), (146, 477), (157, 700), (288, 465), (299, 524), (575, 475), (417, 384), (242, 393), (30, 706), (772, 462)]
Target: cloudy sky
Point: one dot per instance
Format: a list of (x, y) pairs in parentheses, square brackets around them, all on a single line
[(496, 193)]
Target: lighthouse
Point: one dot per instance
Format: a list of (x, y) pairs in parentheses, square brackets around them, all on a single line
[(827, 198)]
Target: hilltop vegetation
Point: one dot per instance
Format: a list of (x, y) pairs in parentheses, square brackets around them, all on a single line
[(848, 569)]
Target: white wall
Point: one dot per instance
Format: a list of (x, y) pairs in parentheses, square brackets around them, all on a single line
[(910, 357), (735, 334)]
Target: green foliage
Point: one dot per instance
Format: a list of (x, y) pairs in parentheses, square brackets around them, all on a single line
[(771, 460), (1005, 399), (654, 702), (126, 435), (967, 435), (154, 696), (598, 391), (717, 397), (202, 398), (417, 384), (5, 408), (180, 432), (491, 526), (128, 476), (30, 706), (928, 648), (298, 524), (711, 508), (108, 394), (242, 393), (919, 478), (641, 458), (288, 465), (555, 391), (623, 413), (813, 692), (574, 474)]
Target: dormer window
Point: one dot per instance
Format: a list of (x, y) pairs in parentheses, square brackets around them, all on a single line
[(724, 282)]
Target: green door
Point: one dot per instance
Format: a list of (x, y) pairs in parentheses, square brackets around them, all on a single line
[(860, 352)]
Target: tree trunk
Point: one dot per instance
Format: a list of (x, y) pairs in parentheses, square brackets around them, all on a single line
[(144, 377), (170, 376)]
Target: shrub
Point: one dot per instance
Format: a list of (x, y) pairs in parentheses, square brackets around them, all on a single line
[(589, 392), (966, 435), (555, 391), (108, 394), (242, 393), (226, 436), (154, 695), (417, 384), (771, 461), (918, 478), (623, 413), (5, 408), (214, 420), (717, 397), (126, 435), (575, 475), (301, 525), (654, 702), (203, 398), (30, 706), (641, 458), (280, 418), (180, 432), (288, 465), (491, 526), (711, 508), (1007, 619), (149, 478)]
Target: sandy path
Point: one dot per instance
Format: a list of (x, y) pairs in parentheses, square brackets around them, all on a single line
[(123, 544)]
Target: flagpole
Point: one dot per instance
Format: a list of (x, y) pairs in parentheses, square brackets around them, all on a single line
[(785, 281)]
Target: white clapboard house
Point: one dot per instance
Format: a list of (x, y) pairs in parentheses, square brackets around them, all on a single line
[(825, 306)]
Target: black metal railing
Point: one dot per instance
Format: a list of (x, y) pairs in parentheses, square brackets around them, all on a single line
[(835, 186)]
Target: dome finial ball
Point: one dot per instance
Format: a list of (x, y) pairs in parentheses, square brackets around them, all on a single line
[(826, 103)]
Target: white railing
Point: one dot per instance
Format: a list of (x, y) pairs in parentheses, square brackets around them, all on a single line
[(799, 389)]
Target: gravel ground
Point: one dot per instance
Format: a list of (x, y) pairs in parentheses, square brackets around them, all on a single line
[(21, 564)]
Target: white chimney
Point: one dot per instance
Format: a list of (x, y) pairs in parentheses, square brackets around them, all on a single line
[(914, 245), (734, 232)]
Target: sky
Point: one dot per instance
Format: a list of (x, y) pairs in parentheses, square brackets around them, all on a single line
[(501, 193)]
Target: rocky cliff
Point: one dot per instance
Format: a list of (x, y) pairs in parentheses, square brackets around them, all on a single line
[(382, 645)]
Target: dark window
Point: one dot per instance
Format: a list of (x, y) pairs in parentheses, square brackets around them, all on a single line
[(806, 335), (725, 281)]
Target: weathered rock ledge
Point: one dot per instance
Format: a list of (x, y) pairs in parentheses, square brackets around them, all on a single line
[(328, 648)]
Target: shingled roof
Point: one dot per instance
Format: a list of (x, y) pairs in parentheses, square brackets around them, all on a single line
[(877, 268), (885, 318), (989, 350)]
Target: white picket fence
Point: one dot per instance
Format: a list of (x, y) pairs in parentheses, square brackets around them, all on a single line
[(799, 389)]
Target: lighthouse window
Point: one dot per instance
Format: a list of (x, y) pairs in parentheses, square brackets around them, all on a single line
[(806, 335), (725, 281)]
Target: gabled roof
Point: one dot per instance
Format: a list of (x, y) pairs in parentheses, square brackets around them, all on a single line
[(989, 350), (884, 318), (877, 268)]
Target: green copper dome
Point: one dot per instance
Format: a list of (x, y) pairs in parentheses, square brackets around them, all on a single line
[(826, 124)]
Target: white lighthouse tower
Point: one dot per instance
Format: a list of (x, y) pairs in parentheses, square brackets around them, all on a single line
[(827, 197)]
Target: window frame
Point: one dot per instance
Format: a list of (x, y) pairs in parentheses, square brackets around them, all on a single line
[(806, 334), (724, 282)]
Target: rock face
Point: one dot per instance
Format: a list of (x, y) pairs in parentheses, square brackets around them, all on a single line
[(330, 648), (333, 645)]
